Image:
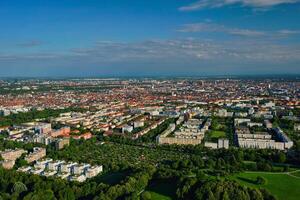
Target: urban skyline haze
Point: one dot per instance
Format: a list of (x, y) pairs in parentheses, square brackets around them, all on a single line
[(149, 38)]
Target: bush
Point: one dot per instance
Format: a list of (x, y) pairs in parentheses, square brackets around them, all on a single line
[(146, 196), (261, 180)]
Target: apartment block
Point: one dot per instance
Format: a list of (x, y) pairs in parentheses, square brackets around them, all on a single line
[(62, 143), (37, 154), (64, 131), (12, 154), (93, 171), (80, 168), (222, 143), (262, 140), (7, 164), (138, 124)]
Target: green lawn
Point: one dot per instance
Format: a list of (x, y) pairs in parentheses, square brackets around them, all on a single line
[(162, 189), (217, 134), (283, 186), (157, 196), (296, 173)]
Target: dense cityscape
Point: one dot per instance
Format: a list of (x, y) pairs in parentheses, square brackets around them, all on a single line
[(149, 99), (147, 138)]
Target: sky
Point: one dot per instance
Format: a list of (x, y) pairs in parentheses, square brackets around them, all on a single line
[(149, 37)]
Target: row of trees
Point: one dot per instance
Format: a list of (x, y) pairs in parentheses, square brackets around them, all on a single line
[(14, 185), (23, 117), (131, 187), (219, 190)]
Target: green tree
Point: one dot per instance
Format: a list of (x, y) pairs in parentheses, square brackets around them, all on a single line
[(146, 196), (281, 158), (20, 162), (261, 180), (225, 196), (67, 194), (19, 187), (210, 195), (40, 195)]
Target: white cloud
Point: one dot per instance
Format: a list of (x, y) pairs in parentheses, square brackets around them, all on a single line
[(202, 27), (259, 4), (246, 32), (169, 51), (160, 57), (288, 32), (211, 27)]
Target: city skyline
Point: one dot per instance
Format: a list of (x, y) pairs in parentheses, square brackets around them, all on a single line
[(149, 38)]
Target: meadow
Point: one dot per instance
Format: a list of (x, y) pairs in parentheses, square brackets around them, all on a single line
[(162, 189), (282, 185)]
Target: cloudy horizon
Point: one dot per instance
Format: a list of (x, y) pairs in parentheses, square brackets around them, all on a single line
[(113, 38)]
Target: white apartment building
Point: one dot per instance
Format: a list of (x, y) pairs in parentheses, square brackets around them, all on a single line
[(80, 168), (93, 171), (262, 140)]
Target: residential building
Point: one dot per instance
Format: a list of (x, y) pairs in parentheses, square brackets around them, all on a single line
[(37, 154), (93, 171), (138, 124), (12, 154), (61, 143), (127, 128)]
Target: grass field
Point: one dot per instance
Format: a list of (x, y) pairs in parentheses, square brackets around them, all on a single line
[(162, 190), (283, 186), (297, 173), (157, 196), (217, 134)]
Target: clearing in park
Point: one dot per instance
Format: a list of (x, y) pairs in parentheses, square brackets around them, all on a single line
[(282, 185)]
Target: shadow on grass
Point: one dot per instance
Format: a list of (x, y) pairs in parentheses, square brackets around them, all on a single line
[(112, 178), (166, 187), (247, 180)]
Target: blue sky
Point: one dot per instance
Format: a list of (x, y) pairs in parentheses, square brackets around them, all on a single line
[(150, 37)]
